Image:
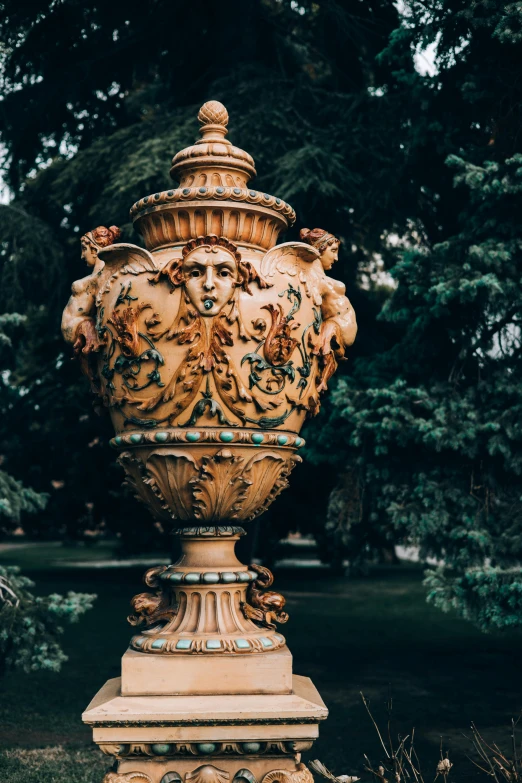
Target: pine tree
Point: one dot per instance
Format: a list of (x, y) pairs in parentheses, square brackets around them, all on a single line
[(433, 422)]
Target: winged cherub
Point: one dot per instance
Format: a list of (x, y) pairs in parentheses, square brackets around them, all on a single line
[(79, 316), (308, 261)]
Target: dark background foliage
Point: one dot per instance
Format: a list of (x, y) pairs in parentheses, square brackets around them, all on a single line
[(419, 172)]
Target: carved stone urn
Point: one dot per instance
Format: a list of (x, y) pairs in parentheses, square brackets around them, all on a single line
[(209, 347)]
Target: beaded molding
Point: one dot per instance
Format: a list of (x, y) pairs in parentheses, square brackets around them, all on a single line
[(219, 192), (245, 437), (208, 577)]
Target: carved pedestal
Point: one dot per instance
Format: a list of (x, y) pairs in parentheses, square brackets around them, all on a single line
[(206, 694)]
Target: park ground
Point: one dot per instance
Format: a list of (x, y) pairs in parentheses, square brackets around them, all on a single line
[(372, 634)]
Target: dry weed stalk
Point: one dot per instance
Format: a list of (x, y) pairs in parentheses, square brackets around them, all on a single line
[(496, 764), (400, 764)]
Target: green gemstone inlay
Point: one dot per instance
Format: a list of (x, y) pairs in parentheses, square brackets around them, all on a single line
[(193, 436), (157, 644), (257, 438), (117, 440), (266, 642), (183, 644), (243, 644), (160, 749), (282, 439), (211, 578), (226, 436), (251, 747), (135, 438), (213, 644), (161, 437), (177, 577), (192, 578), (206, 747), (243, 576), (228, 576), (299, 442)]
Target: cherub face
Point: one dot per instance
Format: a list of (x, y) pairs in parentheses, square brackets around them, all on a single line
[(89, 254), (211, 275), (329, 256)]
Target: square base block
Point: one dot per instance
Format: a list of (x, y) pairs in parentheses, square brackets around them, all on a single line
[(143, 674), (199, 719)]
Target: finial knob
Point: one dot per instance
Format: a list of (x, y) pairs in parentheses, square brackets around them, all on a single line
[(213, 113)]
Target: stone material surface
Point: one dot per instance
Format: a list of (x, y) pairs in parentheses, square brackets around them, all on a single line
[(118, 718), (145, 675)]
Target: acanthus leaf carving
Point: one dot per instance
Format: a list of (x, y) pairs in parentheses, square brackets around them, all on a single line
[(221, 486)]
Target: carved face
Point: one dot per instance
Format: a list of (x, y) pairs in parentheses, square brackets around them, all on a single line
[(211, 275), (89, 252), (329, 256)]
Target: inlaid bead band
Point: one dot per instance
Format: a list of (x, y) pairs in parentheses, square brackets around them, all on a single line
[(182, 435), (208, 577)]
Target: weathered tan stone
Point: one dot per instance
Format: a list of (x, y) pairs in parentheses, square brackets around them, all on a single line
[(153, 675)]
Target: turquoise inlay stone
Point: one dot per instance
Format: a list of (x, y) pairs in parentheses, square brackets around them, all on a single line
[(157, 195), (161, 437), (193, 436), (243, 644), (213, 644), (211, 578), (145, 200), (192, 579), (278, 201), (202, 190), (176, 577), (279, 638), (282, 439), (160, 749), (243, 576), (170, 193), (298, 442), (237, 191), (266, 196), (117, 440), (257, 438), (226, 436), (220, 190), (183, 644), (228, 576), (185, 191), (266, 642), (157, 644), (206, 747), (251, 747), (253, 576), (139, 642), (252, 193), (135, 438)]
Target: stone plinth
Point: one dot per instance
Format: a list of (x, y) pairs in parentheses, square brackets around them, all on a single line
[(169, 738), (161, 675)]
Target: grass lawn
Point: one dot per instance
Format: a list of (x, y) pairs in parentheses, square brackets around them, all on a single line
[(374, 634)]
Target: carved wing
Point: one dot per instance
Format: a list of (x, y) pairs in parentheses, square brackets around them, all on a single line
[(127, 259), (296, 259)]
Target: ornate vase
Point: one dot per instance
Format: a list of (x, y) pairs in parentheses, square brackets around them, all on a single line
[(209, 348)]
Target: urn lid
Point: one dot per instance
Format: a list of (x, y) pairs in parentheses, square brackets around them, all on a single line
[(213, 160), (213, 195)]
